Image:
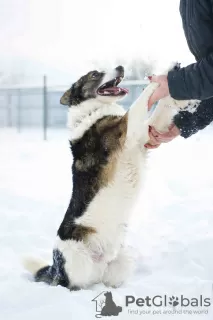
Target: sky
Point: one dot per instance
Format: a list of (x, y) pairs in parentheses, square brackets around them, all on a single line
[(72, 35)]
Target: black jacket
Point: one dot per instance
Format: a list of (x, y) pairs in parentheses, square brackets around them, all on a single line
[(196, 80)]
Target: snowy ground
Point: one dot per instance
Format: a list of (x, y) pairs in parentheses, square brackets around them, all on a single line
[(172, 232)]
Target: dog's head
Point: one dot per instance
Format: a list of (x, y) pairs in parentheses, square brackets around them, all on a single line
[(96, 85)]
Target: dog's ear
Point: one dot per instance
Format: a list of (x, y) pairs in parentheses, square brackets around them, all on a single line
[(65, 99)]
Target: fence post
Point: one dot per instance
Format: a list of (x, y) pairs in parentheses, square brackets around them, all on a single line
[(9, 111), (19, 110), (45, 107)]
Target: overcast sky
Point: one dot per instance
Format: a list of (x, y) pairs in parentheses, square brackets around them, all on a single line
[(67, 34)]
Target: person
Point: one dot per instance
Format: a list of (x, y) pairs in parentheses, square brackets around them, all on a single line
[(192, 82)]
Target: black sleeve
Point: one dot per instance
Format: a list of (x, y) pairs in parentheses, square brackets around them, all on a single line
[(194, 81), (190, 123)]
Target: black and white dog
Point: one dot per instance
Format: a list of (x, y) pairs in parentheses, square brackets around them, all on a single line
[(109, 157)]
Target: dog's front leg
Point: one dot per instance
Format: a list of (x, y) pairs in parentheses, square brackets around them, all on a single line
[(163, 115), (138, 113)]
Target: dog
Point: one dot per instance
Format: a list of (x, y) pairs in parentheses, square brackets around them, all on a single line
[(109, 156)]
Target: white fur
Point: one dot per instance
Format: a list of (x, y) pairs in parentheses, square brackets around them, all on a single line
[(137, 128), (166, 109), (104, 257), (81, 118), (80, 266), (119, 269)]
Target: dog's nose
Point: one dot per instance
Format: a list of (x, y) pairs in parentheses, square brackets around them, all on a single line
[(120, 71)]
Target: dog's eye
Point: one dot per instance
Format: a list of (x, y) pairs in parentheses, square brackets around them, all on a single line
[(94, 75)]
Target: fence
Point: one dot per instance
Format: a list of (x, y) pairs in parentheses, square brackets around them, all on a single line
[(39, 107)]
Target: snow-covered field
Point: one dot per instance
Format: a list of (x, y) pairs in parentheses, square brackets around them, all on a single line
[(172, 232)]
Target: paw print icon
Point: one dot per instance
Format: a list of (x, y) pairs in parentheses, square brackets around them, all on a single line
[(174, 301)]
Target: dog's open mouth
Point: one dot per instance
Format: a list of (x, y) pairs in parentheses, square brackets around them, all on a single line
[(111, 88)]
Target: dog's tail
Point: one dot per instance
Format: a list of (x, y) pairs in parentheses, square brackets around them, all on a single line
[(40, 270), (51, 274), (33, 265)]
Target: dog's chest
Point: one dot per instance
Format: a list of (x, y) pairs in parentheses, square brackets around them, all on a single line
[(110, 210), (111, 207)]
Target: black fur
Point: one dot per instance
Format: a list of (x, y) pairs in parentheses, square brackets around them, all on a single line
[(55, 274), (76, 95), (83, 89), (90, 154)]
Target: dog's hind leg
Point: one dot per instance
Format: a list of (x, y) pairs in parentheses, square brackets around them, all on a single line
[(53, 275), (119, 270), (79, 265), (40, 271)]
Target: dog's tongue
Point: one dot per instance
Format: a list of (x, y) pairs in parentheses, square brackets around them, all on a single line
[(113, 90)]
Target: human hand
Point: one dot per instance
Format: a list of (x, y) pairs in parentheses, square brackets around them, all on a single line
[(162, 90), (156, 138)]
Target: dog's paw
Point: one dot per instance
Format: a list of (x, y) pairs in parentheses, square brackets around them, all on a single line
[(113, 285), (119, 270)]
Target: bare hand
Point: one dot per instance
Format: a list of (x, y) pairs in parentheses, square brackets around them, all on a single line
[(161, 92), (156, 138)]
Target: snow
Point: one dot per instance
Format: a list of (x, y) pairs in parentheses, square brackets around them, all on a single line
[(172, 232)]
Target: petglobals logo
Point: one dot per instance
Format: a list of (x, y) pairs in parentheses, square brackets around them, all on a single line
[(106, 306), (110, 305), (167, 301)]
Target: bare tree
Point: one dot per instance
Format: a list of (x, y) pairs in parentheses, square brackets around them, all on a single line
[(101, 303)]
